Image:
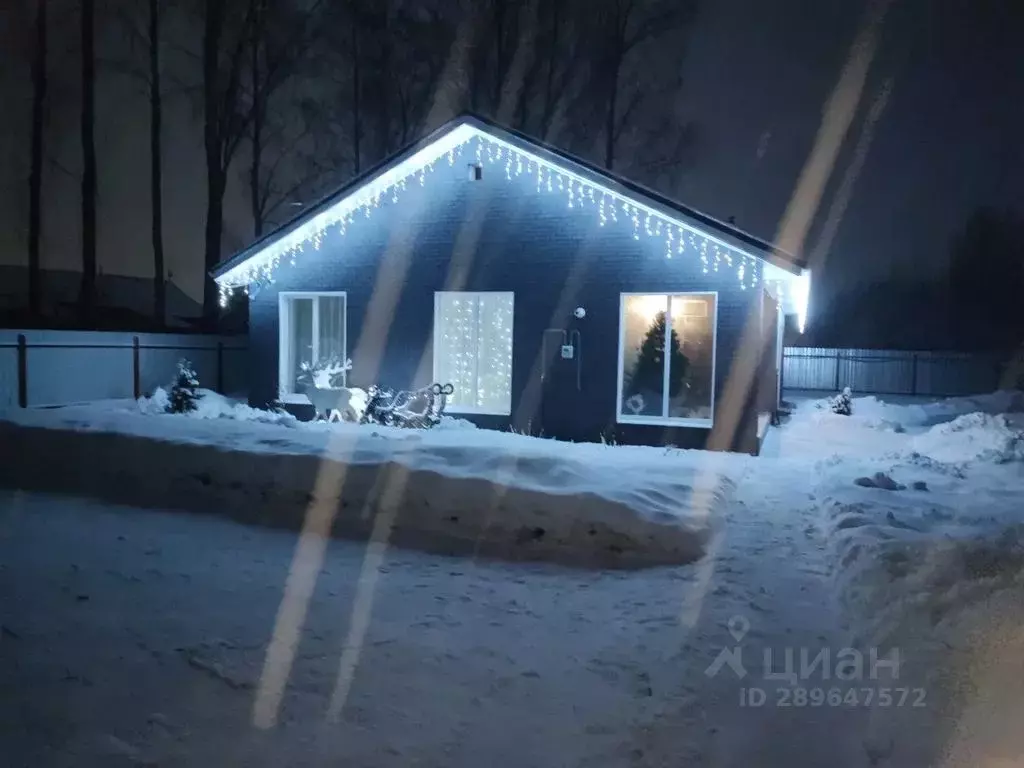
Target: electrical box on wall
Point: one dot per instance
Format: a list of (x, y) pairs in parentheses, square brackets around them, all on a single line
[(568, 351)]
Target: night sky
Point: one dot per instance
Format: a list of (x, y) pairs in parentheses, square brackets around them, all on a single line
[(756, 81), (950, 138)]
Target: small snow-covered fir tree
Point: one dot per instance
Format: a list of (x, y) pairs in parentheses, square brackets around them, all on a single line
[(185, 394), (842, 403)]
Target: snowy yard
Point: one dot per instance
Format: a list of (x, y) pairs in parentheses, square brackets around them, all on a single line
[(134, 637), (449, 488)]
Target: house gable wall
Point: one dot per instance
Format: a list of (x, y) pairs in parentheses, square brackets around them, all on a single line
[(500, 234)]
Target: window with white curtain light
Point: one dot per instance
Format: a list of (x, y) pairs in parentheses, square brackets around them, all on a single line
[(313, 331), (473, 350)]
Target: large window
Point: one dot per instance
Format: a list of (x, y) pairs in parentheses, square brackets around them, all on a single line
[(473, 350), (312, 332), (677, 387)]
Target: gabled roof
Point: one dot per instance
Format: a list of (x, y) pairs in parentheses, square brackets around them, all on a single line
[(729, 236), (577, 176)]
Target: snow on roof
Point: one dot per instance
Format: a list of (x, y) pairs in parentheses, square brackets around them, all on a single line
[(684, 231)]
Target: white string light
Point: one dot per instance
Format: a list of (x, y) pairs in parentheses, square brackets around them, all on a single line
[(679, 237), (474, 349)]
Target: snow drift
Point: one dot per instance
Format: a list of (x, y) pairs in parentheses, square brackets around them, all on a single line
[(931, 563), (449, 489), (210, 405), (974, 437), (948, 472)]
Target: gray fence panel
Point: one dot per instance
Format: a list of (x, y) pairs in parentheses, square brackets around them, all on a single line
[(8, 375), (881, 371), (866, 370), (957, 375), (65, 367), (236, 370), (158, 367), (809, 368), (159, 355), (62, 376)]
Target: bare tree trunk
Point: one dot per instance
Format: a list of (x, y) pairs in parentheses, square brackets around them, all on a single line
[(550, 97), (254, 177), (403, 121), (615, 59), (155, 165), (87, 296), (386, 72), (609, 121), (35, 180), (212, 33), (257, 133), (214, 225), (356, 117), (500, 7)]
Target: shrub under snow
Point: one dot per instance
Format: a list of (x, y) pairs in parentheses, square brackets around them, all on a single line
[(842, 403)]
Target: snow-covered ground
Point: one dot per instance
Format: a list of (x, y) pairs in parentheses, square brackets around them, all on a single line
[(933, 567), (185, 640), (495, 492), (138, 637)]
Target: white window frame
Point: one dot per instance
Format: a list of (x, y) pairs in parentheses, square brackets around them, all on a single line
[(284, 337), (462, 409), (668, 421)]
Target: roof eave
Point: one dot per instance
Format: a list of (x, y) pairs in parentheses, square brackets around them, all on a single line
[(725, 234), (334, 197)]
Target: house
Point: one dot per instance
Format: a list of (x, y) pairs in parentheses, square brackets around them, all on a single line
[(122, 301), (540, 286)]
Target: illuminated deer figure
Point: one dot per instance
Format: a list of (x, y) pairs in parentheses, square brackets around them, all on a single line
[(331, 401)]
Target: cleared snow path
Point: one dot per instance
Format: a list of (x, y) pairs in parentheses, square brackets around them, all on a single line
[(771, 593), (138, 638)]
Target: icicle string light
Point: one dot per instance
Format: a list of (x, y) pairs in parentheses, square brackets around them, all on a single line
[(680, 238)]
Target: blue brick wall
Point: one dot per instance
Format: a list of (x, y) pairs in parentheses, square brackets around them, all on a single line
[(497, 234)]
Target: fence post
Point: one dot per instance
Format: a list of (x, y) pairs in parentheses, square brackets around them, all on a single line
[(913, 373), (136, 377), (836, 387), (220, 366), (782, 377), (22, 371)]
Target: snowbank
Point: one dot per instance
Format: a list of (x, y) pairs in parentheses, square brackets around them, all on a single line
[(877, 427), (929, 562), (876, 412), (954, 611), (929, 483), (450, 488), (211, 405), (974, 437)]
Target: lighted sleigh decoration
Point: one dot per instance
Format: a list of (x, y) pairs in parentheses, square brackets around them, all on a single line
[(323, 384), (415, 409)]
